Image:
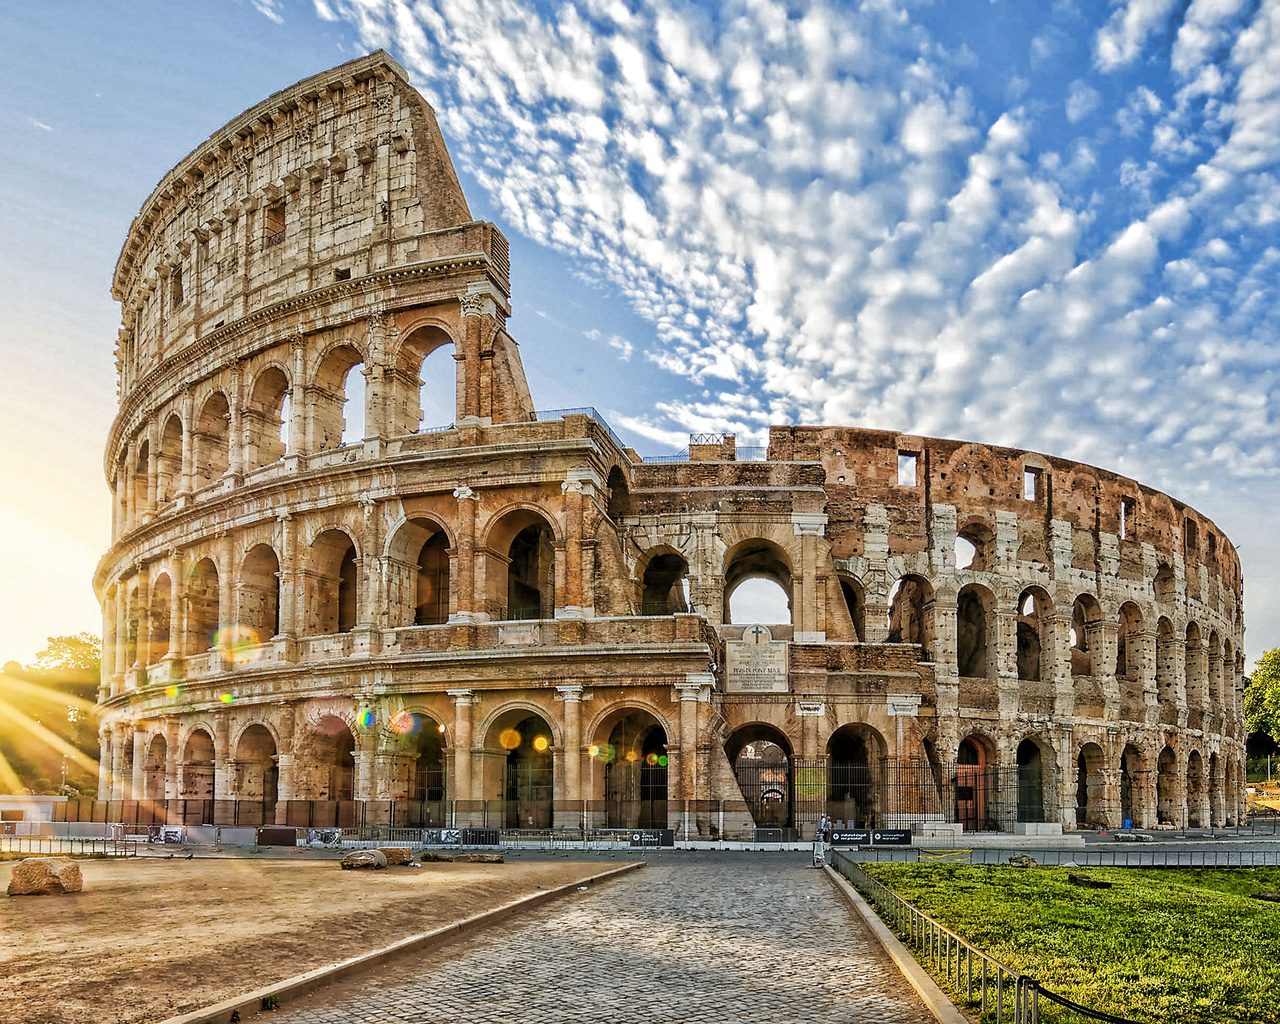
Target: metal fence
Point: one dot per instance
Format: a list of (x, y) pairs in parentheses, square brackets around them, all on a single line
[(1074, 857), (980, 981), (68, 846)]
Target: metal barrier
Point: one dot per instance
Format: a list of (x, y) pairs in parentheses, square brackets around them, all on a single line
[(981, 980), (68, 846), (1077, 856)]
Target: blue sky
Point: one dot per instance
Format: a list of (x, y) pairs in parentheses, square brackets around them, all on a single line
[(1054, 226)]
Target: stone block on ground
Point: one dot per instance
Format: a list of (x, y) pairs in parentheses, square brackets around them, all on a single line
[(480, 858), (364, 859), (45, 876), (396, 855)]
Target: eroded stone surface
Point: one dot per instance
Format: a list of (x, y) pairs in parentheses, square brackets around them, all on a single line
[(45, 876)]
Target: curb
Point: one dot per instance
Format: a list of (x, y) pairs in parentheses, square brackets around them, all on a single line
[(934, 999), (250, 1003)]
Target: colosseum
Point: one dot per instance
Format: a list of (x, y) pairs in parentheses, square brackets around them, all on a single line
[(320, 610)]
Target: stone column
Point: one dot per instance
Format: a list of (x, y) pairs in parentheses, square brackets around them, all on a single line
[(1145, 640), (462, 571), (139, 781), (144, 658), (105, 742), (462, 742), (235, 435), (117, 763), (469, 407), (290, 601), (285, 728), (109, 641), (571, 694), (297, 401), (122, 635), (176, 623), (188, 435), (569, 602), (809, 617), (222, 755)]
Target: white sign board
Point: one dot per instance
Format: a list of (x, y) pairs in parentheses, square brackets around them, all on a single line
[(756, 664)]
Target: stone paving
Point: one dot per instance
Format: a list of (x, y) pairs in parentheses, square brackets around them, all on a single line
[(746, 938)]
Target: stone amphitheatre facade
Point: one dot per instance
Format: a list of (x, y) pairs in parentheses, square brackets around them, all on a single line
[(514, 620)]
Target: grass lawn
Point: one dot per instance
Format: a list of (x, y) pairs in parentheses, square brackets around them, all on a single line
[(1184, 945)]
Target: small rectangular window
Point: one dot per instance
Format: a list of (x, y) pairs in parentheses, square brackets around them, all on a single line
[(175, 288), (906, 469), (342, 275), (1127, 508), (1189, 536), (273, 225), (1031, 484)]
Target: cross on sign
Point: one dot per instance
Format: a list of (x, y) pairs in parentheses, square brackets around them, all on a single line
[(757, 632)]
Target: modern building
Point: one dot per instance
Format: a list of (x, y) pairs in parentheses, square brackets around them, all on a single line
[(320, 609)]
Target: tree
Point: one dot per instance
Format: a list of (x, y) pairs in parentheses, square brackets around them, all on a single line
[(1262, 696), (77, 655)]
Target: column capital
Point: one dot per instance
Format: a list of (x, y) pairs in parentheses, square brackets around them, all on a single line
[(570, 692), (464, 696)]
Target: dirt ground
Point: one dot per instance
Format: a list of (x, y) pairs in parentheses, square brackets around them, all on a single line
[(153, 937)]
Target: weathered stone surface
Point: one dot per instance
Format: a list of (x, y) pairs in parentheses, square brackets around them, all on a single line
[(396, 855), (480, 858), (1016, 620), (364, 859), (44, 876)]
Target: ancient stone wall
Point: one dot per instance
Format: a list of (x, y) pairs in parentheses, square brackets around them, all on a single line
[(512, 618)]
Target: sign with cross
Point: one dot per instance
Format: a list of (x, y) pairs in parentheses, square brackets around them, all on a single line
[(757, 663)]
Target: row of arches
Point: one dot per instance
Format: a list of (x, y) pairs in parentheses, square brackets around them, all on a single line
[(235, 429)]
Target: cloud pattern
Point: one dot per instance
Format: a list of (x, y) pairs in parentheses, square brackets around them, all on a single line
[(823, 221)]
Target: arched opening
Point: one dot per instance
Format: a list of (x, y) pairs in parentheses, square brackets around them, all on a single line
[(527, 781), (974, 653), (1164, 586), (975, 547), (619, 503), (1132, 778), (202, 605), (133, 618), (161, 601), (1034, 613), (266, 425), (256, 777), (1090, 786), (757, 584), (431, 606), (855, 602), (428, 366), (1194, 667), (154, 773), (1086, 620), (418, 583), (911, 613), (762, 764), (635, 772), (211, 451), (169, 461), (521, 585), (1195, 791), (1166, 672), (1214, 683), (1030, 781), (666, 585), (337, 400), (142, 479), (1167, 810), (852, 794), (334, 749), (333, 605), (977, 803), (1128, 647), (259, 595), (423, 740), (196, 776)]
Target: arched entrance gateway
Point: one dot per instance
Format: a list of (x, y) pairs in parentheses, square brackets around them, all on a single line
[(635, 772), (519, 773), (423, 741), (852, 794), (1030, 781), (762, 764)]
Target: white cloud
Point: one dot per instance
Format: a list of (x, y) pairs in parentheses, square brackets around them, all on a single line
[(270, 9), (1121, 40), (1082, 100), (41, 125)]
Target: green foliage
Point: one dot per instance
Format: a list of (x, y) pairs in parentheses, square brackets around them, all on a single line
[(76, 656), (1162, 945), (1262, 697)]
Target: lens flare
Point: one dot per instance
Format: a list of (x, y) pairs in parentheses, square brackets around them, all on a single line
[(606, 752), (226, 698), (440, 729), (632, 755), (594, 750), (367, 719), (404, 723), (509, 738), (239, 641), (662, 760), (651, 759), (540, 743), (173, 692)]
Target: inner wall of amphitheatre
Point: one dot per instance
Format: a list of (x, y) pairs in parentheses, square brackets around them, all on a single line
[(315, 600)]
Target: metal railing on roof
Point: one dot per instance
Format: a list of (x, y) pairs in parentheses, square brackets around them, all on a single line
[(542, 415), (658, 459)]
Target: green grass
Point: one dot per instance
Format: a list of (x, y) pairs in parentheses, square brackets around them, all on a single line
[(1184, 945)]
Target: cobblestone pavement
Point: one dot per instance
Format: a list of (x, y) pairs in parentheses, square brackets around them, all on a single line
[(731, 939)]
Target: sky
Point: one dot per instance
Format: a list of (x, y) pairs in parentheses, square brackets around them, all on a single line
[(1053, 226)]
